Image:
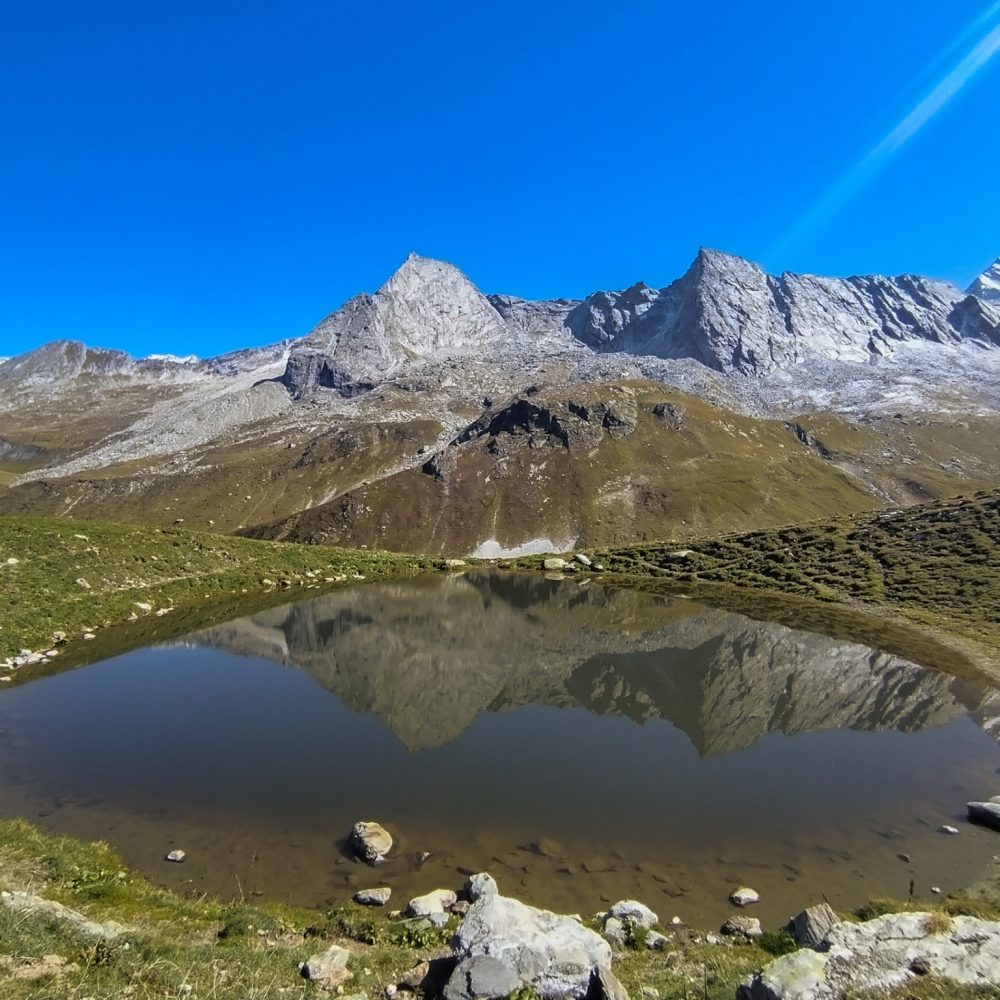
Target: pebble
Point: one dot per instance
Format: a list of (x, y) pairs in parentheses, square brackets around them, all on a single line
[(176, 856), (950, 830)]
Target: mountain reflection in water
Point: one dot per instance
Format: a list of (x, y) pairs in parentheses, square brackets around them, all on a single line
[(428, 657)]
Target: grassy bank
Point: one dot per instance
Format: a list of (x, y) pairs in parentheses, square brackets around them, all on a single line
[(60, 575), (175, 946), (931, 567)]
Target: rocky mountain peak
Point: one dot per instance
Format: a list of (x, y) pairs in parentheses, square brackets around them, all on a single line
[(987, 285)]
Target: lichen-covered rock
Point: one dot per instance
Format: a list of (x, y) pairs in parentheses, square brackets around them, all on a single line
[(328, 968), (884, 954), (747, 928)]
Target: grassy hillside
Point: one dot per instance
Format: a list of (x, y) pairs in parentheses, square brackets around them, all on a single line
[(933, 566), (76, 576)]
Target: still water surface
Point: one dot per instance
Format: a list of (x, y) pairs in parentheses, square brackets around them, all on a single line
[(582, 743)]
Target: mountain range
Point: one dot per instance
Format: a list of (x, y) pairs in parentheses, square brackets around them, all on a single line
[(431, 416)]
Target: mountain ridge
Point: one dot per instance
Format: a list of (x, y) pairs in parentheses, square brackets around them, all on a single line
[(725, 312)]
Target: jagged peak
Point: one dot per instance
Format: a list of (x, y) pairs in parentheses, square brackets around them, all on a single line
[(416, 271), (987, 285)]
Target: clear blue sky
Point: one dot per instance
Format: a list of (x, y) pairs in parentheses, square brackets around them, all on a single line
[(195, 177)]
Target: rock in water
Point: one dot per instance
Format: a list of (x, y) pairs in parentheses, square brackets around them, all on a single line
[(812, 925), (328, 968), (177, 856), (552, 954), (373, 897), (372, 841), (985, 814), (635, 913), (744, 896)]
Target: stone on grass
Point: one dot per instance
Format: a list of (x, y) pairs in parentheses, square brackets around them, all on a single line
[(813, 924), (655, 941), (635, 913), (582, 559), (553, 564), (328, 968), (371, 841), (747, 928), (552, 954), (373, 897), (436, 901), (614, 932), (26, 903)]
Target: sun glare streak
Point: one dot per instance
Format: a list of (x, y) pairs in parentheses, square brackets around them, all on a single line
[(981, 53)]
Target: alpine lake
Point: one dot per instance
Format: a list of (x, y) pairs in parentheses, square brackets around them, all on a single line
[(582, 743)]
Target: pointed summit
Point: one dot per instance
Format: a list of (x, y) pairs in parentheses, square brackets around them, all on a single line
[(987, 285)]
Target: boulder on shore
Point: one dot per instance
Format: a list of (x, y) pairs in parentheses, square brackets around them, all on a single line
[(813, 924), (883, 954), (635, 913), (552, 954), (985, 814)]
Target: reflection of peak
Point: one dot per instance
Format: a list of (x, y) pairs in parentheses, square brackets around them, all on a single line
[(429, 656)]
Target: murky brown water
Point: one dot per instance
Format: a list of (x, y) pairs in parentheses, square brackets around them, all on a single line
[(581, 743)]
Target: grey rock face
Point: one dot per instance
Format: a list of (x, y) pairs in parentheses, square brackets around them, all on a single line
[(812, 925), (552, 954), (481, 977), (725, 313), (882, 954), (479, 885)]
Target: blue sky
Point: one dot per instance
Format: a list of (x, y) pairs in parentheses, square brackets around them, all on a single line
[(196, 177)]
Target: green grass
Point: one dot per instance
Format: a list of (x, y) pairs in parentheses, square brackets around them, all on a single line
[(931, 568), (125, 566)]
